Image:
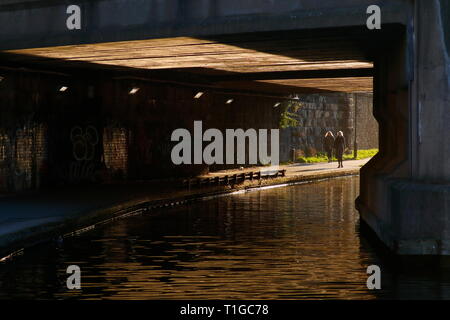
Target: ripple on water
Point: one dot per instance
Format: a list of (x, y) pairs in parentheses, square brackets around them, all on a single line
[(297, 242)]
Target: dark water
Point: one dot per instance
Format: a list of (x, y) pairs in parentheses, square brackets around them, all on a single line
[(297, 242)]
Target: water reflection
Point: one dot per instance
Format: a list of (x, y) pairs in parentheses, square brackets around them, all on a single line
[(298, 242)]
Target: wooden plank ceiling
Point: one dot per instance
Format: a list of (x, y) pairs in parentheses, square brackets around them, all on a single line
[(273, 54)]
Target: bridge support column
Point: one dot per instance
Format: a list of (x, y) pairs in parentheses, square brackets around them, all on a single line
[(405, 189)]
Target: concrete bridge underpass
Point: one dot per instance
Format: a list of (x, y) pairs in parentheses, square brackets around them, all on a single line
[(265, 50)]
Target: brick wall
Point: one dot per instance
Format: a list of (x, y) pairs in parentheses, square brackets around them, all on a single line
[(96, 131), (334, 112), (22, 157), (366, 125), (115, 150)]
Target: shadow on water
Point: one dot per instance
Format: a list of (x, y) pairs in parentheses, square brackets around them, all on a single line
[(297, 242)]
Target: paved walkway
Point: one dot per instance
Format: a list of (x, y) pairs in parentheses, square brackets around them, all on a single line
[(28, 218), (305, 169)]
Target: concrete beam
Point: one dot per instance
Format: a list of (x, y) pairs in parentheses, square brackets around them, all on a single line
[(304, 74), (42, 23)]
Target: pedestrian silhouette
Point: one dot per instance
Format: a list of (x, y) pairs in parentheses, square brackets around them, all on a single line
[(328, 144), (339, 148)]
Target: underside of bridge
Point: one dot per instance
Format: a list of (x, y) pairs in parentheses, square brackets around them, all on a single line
[(256, 70), (276, 63), (405, 195)]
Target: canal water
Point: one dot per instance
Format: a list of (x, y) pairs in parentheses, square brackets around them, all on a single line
[(296, 242)]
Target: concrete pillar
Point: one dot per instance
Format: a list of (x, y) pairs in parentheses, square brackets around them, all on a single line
[(405, 189)]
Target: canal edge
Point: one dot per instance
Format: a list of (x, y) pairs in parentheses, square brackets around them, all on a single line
[(15, 244)]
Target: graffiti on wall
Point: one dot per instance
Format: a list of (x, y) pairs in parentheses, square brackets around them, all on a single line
[(22, 155), (84, 142)]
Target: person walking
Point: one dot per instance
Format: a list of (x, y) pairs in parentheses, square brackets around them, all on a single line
[(328, 145), (339, 146)]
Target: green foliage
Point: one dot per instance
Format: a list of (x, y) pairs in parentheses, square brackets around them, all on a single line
[(362, 154), (322, 157), (288, 117)]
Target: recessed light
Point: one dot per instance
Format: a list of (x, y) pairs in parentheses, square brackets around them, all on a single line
[(134, 90), (63, 88), (198, 95), (229, 101)]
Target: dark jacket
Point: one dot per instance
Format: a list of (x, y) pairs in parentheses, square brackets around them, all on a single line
[(339, 145), (328, 143)]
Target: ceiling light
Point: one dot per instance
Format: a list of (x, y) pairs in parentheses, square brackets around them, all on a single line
[(276, 104), (198, 95), (134, 90), (229, 101), (63, 88), (1, 78)]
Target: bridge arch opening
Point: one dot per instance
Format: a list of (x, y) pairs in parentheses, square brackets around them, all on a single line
[(254, 71), (151, 86)]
